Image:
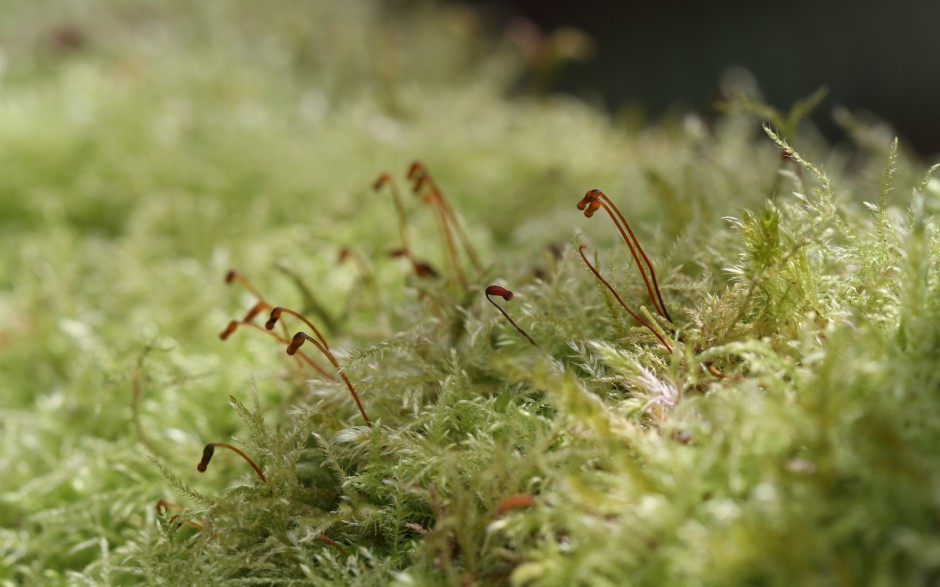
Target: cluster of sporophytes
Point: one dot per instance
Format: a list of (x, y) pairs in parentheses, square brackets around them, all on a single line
[(729, 378), (741, 442)]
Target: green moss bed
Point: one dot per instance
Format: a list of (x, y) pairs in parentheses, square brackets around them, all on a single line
[(781, 427)]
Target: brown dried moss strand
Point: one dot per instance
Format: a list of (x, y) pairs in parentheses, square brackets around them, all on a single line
[(386, 179), (595, 199), (299, 340), (617, 296), (633, 252), (437, 203)]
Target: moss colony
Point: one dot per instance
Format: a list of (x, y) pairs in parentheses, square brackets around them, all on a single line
[(769, 414)]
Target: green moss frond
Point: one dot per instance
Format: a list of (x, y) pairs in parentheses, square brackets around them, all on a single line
[(789, 437)]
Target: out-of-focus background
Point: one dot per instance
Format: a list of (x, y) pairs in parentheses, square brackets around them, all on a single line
[(662, 57), (147, 147)]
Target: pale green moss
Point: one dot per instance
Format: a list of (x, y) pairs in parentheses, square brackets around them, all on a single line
[(182, 139)]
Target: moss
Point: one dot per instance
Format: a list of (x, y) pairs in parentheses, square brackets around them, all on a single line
[(789, 437)]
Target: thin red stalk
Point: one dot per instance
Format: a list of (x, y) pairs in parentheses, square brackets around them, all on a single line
[(464, 239), (419, 174), (299, 340), (255, 310), (435, 200), (178, 508), (309, 298), (664, 313), (613, 291), (261, 305), (303, 356), (210, 450), (166, 505), (596, 198), (327, 540), (495, 290), (386, 179), (636, 259), (233, 275), (201, 526)]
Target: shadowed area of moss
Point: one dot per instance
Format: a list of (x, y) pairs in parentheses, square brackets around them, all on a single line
[(788, 435)]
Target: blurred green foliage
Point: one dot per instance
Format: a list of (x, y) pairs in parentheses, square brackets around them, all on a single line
[(146, 148)]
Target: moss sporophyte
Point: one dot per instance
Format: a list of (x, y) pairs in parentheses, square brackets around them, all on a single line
[(209, 450), (590, 203), (496, 290), (421, 268), (200, 524), (424, 186)]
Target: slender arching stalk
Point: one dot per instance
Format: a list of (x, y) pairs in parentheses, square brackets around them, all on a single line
[(298, 340), (595, 199), (261, 304), (234, 324), (276, 315), (418, 173), (163, 506), (234, 275), (495, 290), (210, 450), (616, 295), (435, 199), (421, 268)]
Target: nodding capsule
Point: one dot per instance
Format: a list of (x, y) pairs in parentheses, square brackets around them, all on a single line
[(210, 450), (589, 198), (423, 269), (275, 316), (495, 290), (206, 457), (228, 330), (381, 181)]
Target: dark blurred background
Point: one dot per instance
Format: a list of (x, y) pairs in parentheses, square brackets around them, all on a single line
[(876, 57)]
